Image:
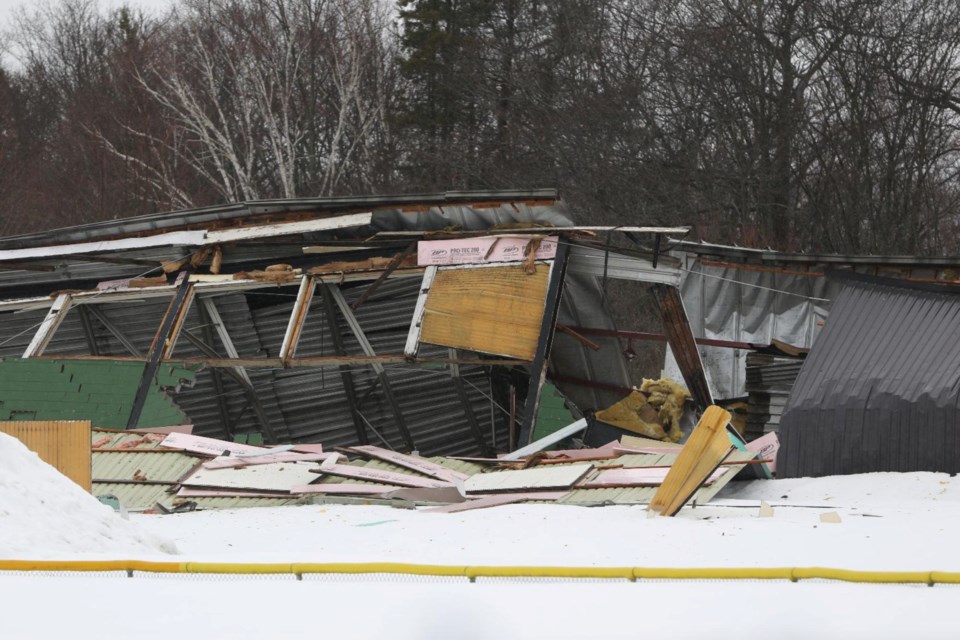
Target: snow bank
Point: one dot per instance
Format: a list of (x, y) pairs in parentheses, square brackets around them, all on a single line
[(43, 514)]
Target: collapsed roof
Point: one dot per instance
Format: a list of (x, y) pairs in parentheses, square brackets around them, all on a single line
[(342, 320)]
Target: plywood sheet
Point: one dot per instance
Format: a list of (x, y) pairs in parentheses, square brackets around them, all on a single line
[(495, 310), (552, 477), (63, 444)]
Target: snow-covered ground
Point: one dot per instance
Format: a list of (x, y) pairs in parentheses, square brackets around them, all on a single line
[(887, 522)]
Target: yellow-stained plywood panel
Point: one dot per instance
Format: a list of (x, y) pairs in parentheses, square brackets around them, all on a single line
[(63, 444), (495, 310)]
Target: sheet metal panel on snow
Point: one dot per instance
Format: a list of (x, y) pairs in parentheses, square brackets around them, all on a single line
[(881, 387)]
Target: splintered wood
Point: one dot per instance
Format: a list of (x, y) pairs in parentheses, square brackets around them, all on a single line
[(705, 449), (496, 310)]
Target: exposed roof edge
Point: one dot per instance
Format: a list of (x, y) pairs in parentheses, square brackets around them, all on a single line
[(851, 277), (158, 222), (769, 255)]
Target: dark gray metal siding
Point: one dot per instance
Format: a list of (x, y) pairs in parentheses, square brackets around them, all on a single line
[(881, 387)]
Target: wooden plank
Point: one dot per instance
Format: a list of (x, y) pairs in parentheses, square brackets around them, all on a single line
[(172, 315), (703, 452), (497, 310), (298, 316), (56, 314), (387, 271), (553, 477), (682, 343), (171, 340), (287, 228), (416, 324)]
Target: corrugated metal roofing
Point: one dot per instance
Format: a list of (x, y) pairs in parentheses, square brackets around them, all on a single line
[(111, 439), (136, 497), (156, 466), (881, 387)]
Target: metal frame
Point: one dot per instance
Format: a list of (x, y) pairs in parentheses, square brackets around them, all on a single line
[(376, 365)]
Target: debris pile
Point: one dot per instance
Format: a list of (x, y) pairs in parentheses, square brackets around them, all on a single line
[(190, 472)]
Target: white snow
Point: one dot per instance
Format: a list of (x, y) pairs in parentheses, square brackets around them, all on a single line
[(888, 522), (46, 515)]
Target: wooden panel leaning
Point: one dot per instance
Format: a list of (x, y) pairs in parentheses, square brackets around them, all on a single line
[(707, 446)]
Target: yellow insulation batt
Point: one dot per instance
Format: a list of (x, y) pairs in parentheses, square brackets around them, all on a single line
[(653, 411)]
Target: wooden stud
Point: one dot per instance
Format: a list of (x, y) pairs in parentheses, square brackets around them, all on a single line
[(56, 314)]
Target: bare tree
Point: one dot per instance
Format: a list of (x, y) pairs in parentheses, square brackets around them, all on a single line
[(270, 98)]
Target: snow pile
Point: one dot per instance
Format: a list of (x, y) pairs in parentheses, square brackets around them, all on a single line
[(44, 514)]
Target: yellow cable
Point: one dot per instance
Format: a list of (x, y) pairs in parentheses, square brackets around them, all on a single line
[(472, 572)]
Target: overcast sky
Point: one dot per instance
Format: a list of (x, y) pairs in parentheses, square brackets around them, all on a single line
[(7, 6)]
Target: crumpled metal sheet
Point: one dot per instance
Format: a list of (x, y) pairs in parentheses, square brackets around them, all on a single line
[(881, 387), (747, 306)]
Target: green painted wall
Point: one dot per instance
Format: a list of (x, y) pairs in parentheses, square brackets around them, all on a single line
[(552, 414), (101, 391)]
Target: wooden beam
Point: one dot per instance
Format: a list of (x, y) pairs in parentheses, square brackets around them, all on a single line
[(297, 317), (390, 268), (538, 371), (682, 342), (55, 315), (413, 337), (157, 348), (171, 341)]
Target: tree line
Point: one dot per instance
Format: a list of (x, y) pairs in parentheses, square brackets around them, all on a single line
[(808, 125)]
